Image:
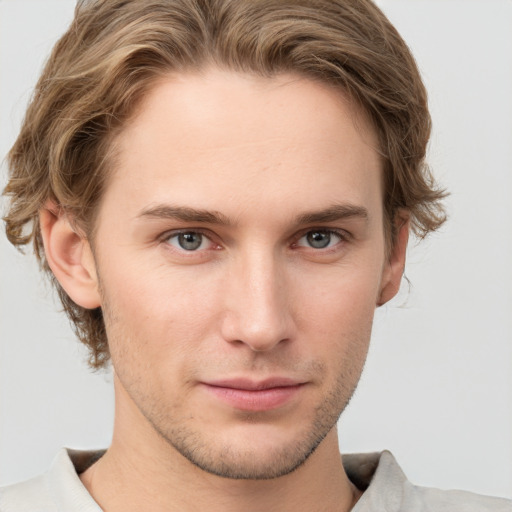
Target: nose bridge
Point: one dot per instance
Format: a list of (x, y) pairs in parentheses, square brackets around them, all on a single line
[(258, 306)]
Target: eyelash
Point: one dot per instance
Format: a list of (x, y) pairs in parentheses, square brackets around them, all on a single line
[(175, 233), (342, 235)]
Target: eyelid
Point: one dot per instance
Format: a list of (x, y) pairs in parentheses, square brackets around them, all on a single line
[(164, 237), (174, 232), (322, 254), (344, 235)]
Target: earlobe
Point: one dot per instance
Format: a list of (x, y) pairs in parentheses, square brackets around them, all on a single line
[(69, 256), (395, 265)]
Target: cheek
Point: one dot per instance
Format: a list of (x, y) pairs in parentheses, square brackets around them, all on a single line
[(152, 313), (160, 313), (337, 313), (347, 292)]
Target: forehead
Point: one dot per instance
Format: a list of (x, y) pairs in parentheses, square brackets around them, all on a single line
[(216, 135)]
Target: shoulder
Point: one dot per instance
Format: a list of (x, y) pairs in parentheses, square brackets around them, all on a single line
[(438, 500), (59, 489), (33, 495), (387, 488)]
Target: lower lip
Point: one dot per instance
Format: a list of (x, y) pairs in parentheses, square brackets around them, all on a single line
[(255, 400)]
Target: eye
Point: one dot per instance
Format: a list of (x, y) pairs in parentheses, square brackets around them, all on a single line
[(320, 239), (189, 241)]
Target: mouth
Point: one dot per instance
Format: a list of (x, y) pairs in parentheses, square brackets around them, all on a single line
[(253, 395)]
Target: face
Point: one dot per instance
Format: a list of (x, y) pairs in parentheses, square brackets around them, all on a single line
[(240, 255)]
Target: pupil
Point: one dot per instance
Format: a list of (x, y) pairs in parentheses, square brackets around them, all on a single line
[(319, 239), (190, 241)]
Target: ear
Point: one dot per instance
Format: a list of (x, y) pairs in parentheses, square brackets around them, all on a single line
[(69, 256), (395, 264)]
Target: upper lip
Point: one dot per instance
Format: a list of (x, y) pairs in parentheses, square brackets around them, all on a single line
[(254, 385)]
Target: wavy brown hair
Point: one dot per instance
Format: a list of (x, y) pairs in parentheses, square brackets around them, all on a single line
[(115, 50)]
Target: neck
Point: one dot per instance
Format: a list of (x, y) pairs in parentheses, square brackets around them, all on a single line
[(141, 470)]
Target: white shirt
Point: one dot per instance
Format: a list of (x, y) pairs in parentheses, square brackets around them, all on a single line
[(386, 489)]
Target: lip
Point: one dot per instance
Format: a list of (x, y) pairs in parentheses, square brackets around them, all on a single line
[(253, 395)]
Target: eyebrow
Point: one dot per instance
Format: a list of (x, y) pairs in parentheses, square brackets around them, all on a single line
[(186, 214), (334, 213)]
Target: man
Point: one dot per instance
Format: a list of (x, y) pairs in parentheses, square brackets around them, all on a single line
[(222, 193)]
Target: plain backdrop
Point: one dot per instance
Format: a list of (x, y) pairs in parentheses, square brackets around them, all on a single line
[(437, 388)]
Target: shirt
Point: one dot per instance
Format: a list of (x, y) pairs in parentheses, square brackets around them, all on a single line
[(386, 489)]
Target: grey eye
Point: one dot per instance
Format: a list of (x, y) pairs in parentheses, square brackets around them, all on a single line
[(190, 241), (318, 239)]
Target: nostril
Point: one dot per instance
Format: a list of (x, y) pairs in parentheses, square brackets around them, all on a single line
[(257, 307), (260, 336)]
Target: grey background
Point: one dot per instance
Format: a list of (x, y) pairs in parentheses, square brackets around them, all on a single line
[(437, 388)]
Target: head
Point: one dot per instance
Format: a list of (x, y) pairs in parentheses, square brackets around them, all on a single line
[(129, 68)]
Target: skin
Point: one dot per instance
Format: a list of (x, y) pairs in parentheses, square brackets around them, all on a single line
[(260, 173)]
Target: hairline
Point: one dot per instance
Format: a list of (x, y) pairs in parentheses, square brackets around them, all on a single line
[(359, 116)]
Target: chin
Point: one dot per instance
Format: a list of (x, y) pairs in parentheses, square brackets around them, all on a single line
[(253, 462), (251, 451)]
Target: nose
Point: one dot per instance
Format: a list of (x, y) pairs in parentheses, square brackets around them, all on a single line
[(257, 309)]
